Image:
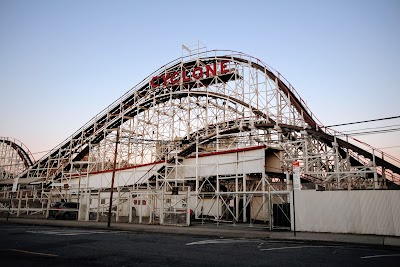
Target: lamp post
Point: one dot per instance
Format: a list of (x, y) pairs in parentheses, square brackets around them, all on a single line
[(112, 179), (296, 186)]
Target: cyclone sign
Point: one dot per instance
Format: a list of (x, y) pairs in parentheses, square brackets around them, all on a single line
[(197, 73)]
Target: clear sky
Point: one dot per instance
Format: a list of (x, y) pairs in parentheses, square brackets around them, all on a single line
[(62, 62)]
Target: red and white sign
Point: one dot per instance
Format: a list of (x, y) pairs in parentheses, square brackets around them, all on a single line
[(212, 69), (296, 175), (296, 164)]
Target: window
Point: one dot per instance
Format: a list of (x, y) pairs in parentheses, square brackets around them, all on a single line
[(71, 205)]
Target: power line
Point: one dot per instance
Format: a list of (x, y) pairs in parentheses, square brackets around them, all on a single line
[(33, 153), (372, 132), (371, 128), (349, 123), (388, 147)]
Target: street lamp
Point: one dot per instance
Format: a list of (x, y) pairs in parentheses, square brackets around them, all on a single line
[(112, 179)]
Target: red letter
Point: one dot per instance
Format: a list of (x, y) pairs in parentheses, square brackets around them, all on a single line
[(165, 78), (209, 69), (172, 77), (223, 66), (197, 76), (184, 77), (155, 78)]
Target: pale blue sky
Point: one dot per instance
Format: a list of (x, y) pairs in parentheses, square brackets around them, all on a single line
[(62, 62)]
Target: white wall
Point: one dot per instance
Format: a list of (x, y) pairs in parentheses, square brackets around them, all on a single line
[(122, 177), (242, 162), (360, 212)]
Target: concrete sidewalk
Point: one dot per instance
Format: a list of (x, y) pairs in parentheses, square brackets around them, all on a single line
[(219, 231)]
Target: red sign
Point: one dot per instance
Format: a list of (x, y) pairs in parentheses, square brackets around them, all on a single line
[(195, 74), (296, 164)]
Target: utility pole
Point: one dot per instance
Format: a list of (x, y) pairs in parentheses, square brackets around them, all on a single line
[(112, 180)]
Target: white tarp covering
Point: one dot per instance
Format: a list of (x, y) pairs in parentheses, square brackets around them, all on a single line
[(242, 162), (359, 212), (229, 163), (122, 177)]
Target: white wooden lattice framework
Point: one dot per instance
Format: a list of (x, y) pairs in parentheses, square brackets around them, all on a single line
[(211, 101)]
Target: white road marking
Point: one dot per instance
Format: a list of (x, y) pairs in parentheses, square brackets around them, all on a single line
[(221, 241), (70, 232), (10, 229), (31, 252), (379, 256), (46, 232), (281, 248), (17, 228), (229, 241), (286, 242), (89, 233)]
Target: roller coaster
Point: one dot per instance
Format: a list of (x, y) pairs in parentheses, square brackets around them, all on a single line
[(204, 105), (15, 158)]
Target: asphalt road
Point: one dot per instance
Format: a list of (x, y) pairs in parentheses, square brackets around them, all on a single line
[(24, 245)]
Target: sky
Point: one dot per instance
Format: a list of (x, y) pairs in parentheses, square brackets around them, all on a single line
[(62, 62)]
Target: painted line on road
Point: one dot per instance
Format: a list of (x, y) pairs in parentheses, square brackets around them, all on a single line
[(31, 252), (70, 232), (10, 229), (221, 241), (379, 256), (17, 228), (89, 233), (77, 233), (285, 241), (46, 232), (281, 248)]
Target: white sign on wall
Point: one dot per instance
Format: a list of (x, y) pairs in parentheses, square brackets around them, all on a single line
[(15, 184)]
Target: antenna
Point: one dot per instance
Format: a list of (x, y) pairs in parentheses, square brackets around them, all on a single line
[(193, 49)]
